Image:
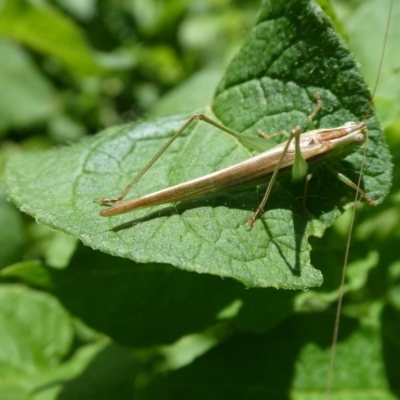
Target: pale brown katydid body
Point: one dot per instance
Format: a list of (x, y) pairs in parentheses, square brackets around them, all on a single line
[(318, 145)]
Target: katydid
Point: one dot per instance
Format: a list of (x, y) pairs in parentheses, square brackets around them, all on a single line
[(315, 146)]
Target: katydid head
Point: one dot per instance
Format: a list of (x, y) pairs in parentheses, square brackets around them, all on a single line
[(358, 131), (354, 134), (341, 141), (350, 131)]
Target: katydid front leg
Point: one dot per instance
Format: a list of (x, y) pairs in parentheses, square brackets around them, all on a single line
[(300, 166)]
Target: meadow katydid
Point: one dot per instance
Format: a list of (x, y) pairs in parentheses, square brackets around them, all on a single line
[(315, 147)]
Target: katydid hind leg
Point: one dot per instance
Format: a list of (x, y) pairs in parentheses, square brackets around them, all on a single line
[(347, 181), (195, 117), (111, 201)]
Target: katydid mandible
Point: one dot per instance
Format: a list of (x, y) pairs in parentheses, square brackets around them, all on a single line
[(314, 147)]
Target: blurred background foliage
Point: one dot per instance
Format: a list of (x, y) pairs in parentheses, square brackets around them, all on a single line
[(70, 68), (74, 67)]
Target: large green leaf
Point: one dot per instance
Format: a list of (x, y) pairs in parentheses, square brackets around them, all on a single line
[(292, 53)]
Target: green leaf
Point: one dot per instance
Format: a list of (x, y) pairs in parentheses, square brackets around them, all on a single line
[(150, 304), (96, 371), (46, 30), (291, 53), (36, 332), (291, 362)]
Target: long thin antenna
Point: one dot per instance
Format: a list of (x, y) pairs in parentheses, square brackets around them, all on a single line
[(353, 216)]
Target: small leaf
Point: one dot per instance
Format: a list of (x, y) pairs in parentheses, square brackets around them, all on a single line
[(36, 335), (36, 332)]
